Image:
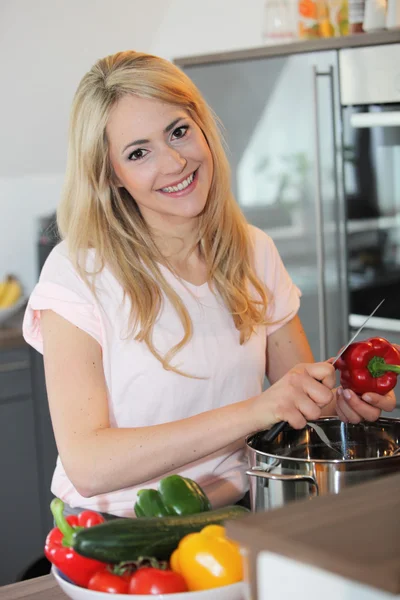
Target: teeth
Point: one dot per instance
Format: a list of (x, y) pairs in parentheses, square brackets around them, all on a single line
[(181, 186)]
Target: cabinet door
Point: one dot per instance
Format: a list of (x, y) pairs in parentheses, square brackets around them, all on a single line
[(45, 442), (21, 534), (281, 123)]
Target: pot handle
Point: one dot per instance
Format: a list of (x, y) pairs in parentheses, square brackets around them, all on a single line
[(284, 477)]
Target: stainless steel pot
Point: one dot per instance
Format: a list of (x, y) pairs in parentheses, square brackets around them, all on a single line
[(298, 465)]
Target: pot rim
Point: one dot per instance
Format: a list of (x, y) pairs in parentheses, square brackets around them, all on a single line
[(384, 420)]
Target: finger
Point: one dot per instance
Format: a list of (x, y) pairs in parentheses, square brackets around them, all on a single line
[(295, 419), (347, 411), (323, 372), (341, 414), (331, 359), (361, 408), (292, 414), (309, 409), (387, 403), (317, 391)]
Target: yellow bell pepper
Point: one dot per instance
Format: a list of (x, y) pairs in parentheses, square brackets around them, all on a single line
[(207, 559)]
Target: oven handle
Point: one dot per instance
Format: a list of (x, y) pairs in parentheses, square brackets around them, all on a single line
[(376, 323), (378, 119), (319, 218)]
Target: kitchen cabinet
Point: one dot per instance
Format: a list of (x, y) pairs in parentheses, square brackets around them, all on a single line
[(22, 531), (28, 455), (337, 546)]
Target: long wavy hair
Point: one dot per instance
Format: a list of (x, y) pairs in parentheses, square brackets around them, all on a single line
[(95, 213)]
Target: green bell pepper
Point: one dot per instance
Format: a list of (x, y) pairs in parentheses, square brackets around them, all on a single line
[(176, 495)]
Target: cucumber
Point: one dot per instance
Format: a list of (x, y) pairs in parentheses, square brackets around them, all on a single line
[(129, 539)]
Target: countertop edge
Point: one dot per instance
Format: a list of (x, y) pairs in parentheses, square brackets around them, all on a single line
[(336, 43), (44, 587)]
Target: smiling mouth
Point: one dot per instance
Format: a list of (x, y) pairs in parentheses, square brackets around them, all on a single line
[(183, 185)]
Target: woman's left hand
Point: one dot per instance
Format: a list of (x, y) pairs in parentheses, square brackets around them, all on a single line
[(353, 409)]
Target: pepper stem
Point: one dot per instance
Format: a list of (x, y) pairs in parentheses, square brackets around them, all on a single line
[(377, 366), (57, 509)]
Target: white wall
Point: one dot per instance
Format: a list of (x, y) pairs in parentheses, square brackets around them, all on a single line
[(45, 48)]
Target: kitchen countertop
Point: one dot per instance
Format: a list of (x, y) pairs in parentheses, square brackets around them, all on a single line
[(40, 588), (334, 43)]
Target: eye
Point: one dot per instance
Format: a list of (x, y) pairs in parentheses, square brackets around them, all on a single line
[(180, 132), (137, 154)]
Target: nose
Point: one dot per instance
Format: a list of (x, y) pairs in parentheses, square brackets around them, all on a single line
[(171, 162)]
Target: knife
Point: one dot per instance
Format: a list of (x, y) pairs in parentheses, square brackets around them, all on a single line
[(275, 430), (357, 332)]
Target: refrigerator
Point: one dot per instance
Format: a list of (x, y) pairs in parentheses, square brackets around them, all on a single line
[(313, 140)]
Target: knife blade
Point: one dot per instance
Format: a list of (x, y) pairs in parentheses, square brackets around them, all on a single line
[(358, 331), (271, 434)]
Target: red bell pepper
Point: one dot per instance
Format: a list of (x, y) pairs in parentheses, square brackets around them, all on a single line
[(58, 544), (369, 366)]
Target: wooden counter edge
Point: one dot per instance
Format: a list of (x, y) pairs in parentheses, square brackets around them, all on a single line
[(40, 588)]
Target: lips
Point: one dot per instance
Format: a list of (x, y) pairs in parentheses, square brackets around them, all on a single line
[(176, 183), (182, 187)]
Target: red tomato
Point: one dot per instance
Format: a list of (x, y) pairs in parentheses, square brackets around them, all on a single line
[(89, 518), (149, 580), (104, 581)]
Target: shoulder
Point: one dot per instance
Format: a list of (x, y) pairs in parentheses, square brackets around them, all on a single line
[(59, 264), (59, 270), (263, 245), (57, 261)]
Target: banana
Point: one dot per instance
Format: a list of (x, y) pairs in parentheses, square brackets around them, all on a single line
[(10, 292), (3, 287)]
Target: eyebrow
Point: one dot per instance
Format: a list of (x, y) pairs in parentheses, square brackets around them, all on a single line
[(145, 141)]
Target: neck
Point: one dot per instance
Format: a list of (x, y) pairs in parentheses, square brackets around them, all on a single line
[(179, 243)]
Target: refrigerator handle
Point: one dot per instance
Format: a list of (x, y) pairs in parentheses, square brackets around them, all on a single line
[(319, 218), (322, 326)]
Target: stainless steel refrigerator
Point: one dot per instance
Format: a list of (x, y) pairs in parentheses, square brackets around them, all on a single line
[(314, 144)]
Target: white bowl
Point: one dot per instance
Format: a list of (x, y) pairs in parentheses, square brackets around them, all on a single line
[(236, 591)]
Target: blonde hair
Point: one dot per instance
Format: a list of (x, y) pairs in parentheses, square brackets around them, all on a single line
[(95, 213)]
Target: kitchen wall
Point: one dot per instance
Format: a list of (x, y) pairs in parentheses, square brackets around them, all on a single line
[(45, 48)]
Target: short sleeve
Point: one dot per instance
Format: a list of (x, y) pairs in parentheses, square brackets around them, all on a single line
[(61, 290), (284, 295)]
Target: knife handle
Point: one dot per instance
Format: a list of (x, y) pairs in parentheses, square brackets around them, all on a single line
[(275, 430)]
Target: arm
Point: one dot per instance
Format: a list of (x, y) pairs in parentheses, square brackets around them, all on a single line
[(287, 347), (98, 458)]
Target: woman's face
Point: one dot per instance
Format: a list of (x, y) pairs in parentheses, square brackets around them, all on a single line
[(161, 157)]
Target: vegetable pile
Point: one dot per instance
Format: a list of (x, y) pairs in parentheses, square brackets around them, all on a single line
[(176, 544)]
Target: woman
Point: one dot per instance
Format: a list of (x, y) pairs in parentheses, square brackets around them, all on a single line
[(161, 310)]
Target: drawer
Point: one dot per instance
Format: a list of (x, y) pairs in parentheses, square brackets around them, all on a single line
[(15, 383), (14, 355)]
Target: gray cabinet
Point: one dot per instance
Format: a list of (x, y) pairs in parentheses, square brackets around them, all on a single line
[(21, 527)]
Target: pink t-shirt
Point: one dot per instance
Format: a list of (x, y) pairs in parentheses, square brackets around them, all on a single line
[(140, 391)]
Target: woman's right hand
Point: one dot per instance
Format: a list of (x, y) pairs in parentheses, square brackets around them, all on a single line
[(297, 397)]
